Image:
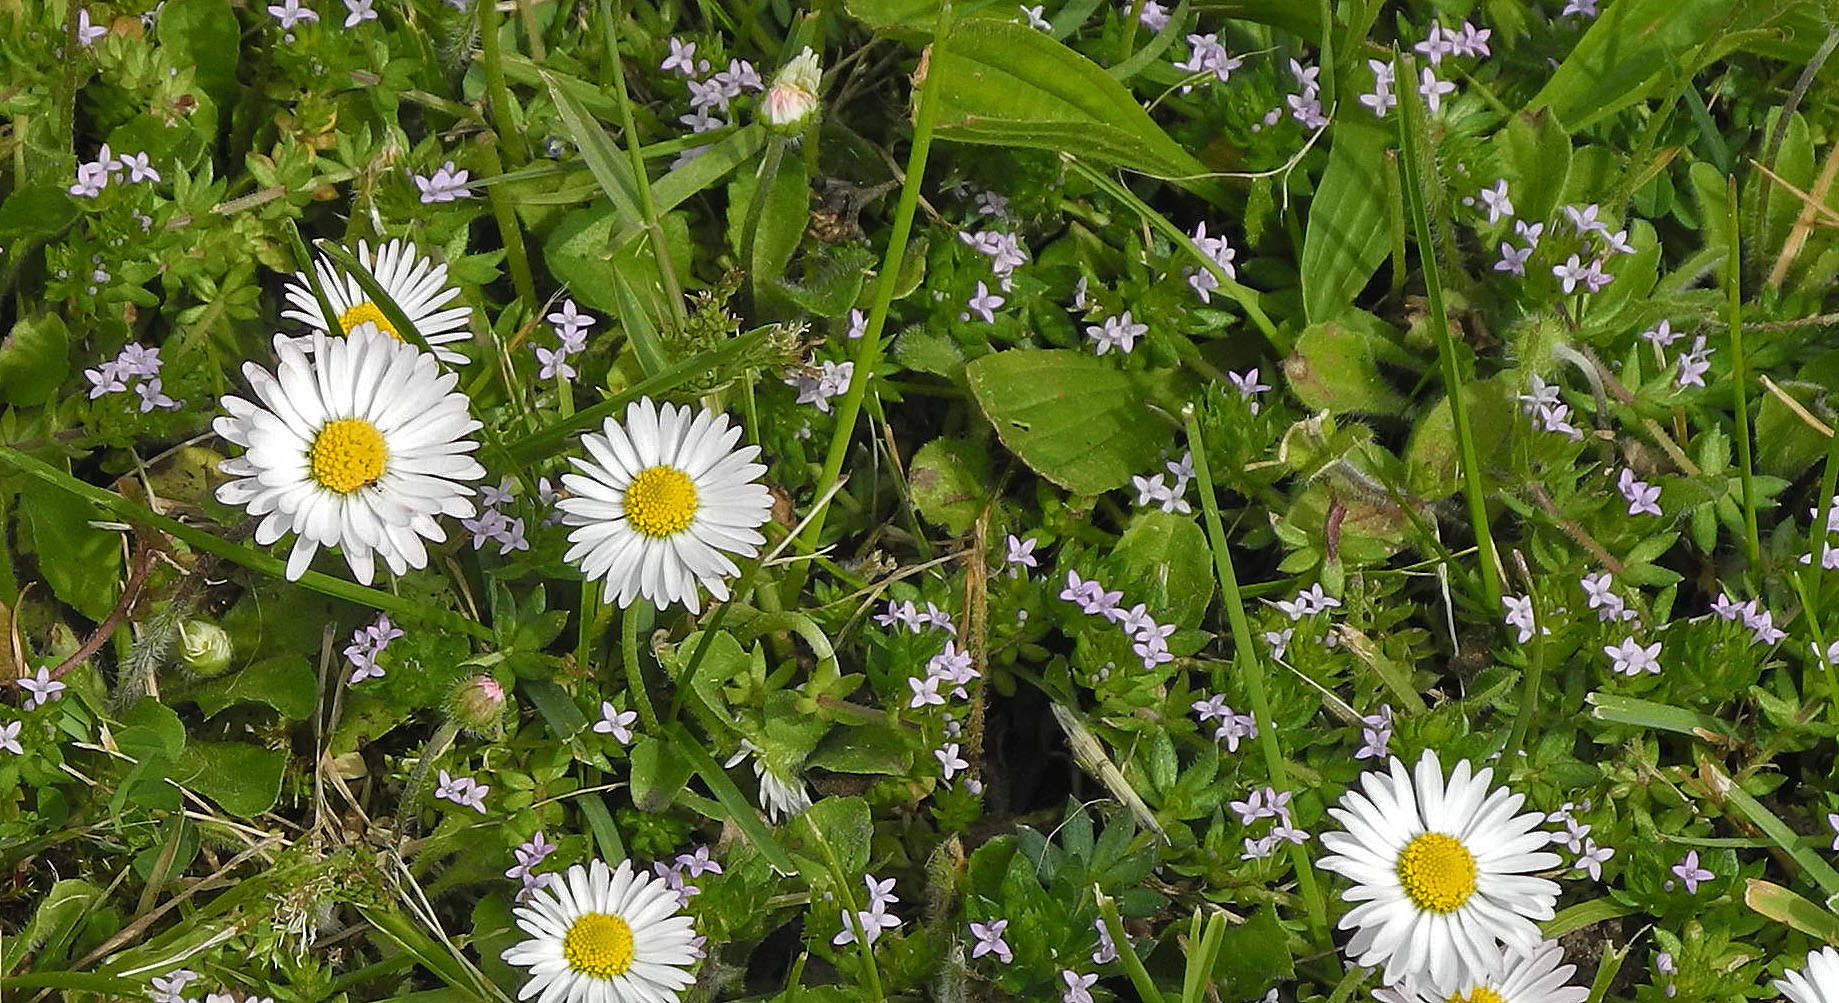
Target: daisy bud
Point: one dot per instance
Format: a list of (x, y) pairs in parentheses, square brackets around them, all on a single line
[(792, 99), (477, 704), (204, 648)]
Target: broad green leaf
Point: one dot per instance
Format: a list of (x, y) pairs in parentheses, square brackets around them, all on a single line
[(48, 933), (1304, 20), (1163, 560), (950, 482), (865, 750), (244, 780), (607, 162), (1348, 233), (1784, 906), (1432, 468), (34, 213), (34, 359), (1072, 417), (204, 35), (82, 564), (1254, 955), (658, 773), (1535, 154), (1006, 84), (834, 831), (1335, 367), (1630, 50), (287, 683)]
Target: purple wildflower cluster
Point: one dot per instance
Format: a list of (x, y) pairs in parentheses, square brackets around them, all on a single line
[(710, 94), (463, 791), (366, 644), (1207, 56), (990, 940), (1575, 836), (1157, 491), (136, 368), (570, 326), (678, 874), (97, 174), (818, 383), (1218, 251), (1547, 412), (1268, 802), (1760, 622), (1003, 249), (875, 918), (494, 524), (1232, 727), (1375, 734), (1149, 639), (444, 185), (528, 855)]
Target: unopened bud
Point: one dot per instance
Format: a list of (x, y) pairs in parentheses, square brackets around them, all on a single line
[(477, 705), (204, 648), (792, 99)]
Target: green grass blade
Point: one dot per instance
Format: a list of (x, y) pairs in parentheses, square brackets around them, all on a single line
[(1784, 906), (1771, 825), (237, 553), (740, 810), (1648, 714)]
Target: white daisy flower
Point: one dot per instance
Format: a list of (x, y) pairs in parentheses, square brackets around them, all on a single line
[(358, 444), (417, 284), (604, 935), (1817, 983), (661, 503), (1441, 873), (1536, 977), (781, 797)]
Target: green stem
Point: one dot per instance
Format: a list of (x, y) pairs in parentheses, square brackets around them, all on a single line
[(868, 349), (1818, 539), (1529, 688), (1251, 669), (1411, 132), (1733, 284), (1819, 639), (763, 181), (629, 656), (1126, 954), (491, 50), (667, 269)]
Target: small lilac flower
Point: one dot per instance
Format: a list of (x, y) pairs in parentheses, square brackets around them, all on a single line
[(858, 325), (105, 379), (1107, 948), (1120, 332), (139, 168), (1593, 858), (617, 723), (463, 791), (9, 737), (1513, 260), (359, 11), (1725, 607), (1693, 365), (1279, 640), (1153, 16), (554, 364), (984, 304), (91, 179), (152, 396), (1579, 8), (1020, 554), (171, 988), (1433, 89), (1632, 659), (1832, 822), (444, 185), (290, 13), (1253, 808), (682, 59), (1662, 335), (1077, 986), (1617, 242), (1248, 387), (1497, 202), (1381, 98), (990, 940), (925, 692), (1520, 615), (1691, 873), (1642, 497), (1571, 273), (1594, 278), (1212, 707), (1035, 20), (42, 687), (950, 762), (1583, 219)]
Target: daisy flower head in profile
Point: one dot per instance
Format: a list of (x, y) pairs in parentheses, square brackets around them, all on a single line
[(1533, 977), (1441, 871), (660, 503), (357, 443), (1818, 982), (604, 935), (416, 284)]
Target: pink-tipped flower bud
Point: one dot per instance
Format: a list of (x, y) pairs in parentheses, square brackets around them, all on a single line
[(792, 99), (477, 704)]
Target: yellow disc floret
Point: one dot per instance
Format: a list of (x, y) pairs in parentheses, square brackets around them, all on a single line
[(347, 454), (660, 502), (1479, 994), (1438, 872), (598, 945), (366, 312)]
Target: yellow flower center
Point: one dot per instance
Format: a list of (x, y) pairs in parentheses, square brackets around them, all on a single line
[(660, 502), (1479, 994), (1438, 872), (347, 454), (598, 945), (366, 311)]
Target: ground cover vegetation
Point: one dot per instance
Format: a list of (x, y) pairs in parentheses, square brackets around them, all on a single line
[(895, 500)]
